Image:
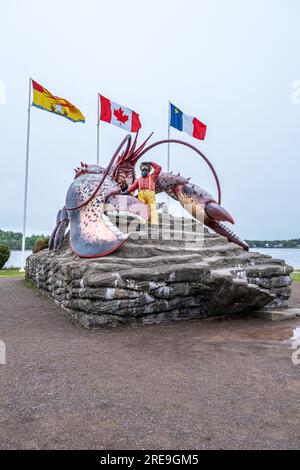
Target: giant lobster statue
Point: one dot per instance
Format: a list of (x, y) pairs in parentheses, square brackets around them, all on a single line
[(94, 195)]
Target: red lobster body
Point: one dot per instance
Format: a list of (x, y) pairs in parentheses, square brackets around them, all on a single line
[(94, 195)]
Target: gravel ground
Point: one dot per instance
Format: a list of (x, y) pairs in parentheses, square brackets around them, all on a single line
[(295, 297), (187, 385)]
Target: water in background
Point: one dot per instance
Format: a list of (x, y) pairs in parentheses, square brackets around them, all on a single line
[(290, 255), (15, 259)]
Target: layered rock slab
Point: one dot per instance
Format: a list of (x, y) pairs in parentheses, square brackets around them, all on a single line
[(159, 274)]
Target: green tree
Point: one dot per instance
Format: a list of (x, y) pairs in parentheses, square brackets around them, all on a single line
[(4, 255)]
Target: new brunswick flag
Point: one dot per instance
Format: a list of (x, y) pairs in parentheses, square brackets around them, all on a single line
[(43, 99)]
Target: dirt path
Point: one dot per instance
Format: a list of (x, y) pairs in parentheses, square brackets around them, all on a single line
[(295, 297), (186, 385)]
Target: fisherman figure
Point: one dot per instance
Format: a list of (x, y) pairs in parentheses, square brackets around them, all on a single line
[(146, 187)]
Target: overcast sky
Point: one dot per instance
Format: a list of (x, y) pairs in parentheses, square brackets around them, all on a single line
[(230, 63)]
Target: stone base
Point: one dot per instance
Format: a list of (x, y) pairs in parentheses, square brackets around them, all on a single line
[(162, 278), (276, 315)]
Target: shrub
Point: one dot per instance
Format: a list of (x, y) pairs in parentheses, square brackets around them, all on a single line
[(4, 255), (296, 275), (41, 244)]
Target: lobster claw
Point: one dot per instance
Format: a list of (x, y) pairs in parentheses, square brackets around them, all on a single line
[(201, 205), (216, 212)]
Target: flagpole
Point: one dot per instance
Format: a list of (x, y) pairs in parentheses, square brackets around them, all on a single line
[(98, 122), (169, 116), (168, 161), (26, 181)]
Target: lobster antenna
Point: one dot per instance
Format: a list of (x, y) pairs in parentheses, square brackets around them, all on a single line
[(134, 143), (186, 144), (141, 147), (127, 141)]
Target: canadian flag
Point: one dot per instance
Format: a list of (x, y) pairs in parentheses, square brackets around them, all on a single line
[(118, 115)]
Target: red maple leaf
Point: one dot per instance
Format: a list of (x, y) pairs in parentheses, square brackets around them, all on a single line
[(119, 113)]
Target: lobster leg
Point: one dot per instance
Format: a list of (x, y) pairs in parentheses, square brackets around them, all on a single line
[(57, 236), (52, 236)]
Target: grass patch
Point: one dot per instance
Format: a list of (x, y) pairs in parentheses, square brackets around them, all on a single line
[(296, 275), (14, 272), (29, 284)]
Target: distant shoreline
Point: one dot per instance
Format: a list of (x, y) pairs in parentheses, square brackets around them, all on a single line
[(14, 241), (293, 243), (277, 247)]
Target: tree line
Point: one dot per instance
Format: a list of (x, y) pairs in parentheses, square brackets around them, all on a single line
[(293, 243), (14, 240)]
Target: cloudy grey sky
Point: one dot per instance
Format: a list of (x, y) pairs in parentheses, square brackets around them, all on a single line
[(231, 63)]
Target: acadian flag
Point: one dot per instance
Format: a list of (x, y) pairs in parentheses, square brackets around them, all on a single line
[(43, 99), (184, 122), (119, 115)]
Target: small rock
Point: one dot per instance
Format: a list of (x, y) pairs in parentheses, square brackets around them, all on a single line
[(275, 315)]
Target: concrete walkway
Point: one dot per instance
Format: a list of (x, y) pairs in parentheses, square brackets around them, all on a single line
[(197, 385)]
